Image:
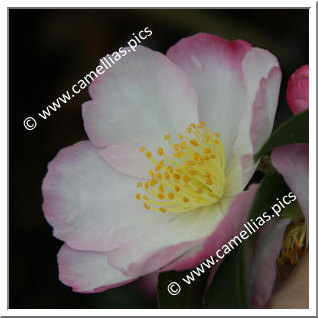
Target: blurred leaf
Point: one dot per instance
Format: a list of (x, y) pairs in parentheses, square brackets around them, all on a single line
[(190, 296), (230, 285), (295, 130), (271, 187), (293, 212)]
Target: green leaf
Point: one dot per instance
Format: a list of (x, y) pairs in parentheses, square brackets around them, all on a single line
[(295, 130), (190, 296), (293, 212), (271, 187), (230, 286)]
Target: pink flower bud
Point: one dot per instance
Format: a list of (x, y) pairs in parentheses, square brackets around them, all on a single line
[(298, 90)]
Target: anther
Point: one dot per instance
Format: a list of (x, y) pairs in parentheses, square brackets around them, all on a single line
[(208, 181), (160, 151), (183, 145), (146, 206), (194, 142), (186, 178)]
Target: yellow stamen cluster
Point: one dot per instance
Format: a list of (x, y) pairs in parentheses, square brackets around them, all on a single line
[(191, 176), (293, 246)]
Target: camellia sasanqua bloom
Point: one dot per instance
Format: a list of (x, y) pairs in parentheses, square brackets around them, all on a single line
[(159, 184), (292, 162), (282, 242)]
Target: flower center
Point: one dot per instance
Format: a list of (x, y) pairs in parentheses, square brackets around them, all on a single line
[(194, 176), (293, 245)]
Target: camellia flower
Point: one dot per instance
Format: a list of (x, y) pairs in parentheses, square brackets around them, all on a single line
[(292, 162), (298, 90), (171, 141), (279, 244)]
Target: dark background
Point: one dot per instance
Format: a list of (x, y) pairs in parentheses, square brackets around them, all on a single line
[(49, 51)]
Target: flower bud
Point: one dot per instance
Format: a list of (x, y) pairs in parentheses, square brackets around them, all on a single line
[(298, 90)]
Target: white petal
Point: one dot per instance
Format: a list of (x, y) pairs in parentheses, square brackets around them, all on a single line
[(169, 241), (142, 97), (91, 205), (262, 76), (213, 66), (88, 272)]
